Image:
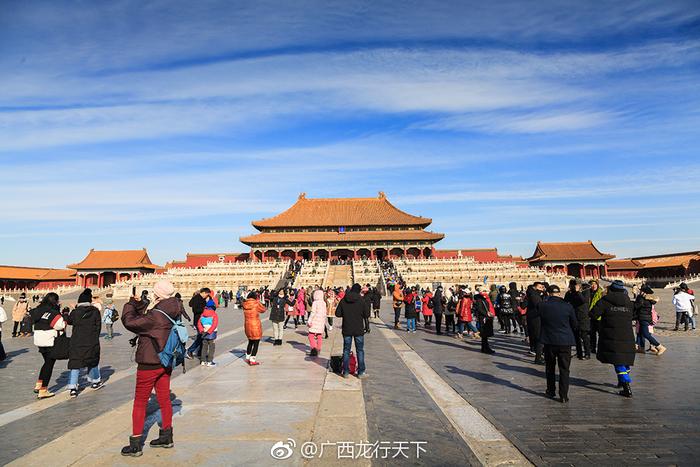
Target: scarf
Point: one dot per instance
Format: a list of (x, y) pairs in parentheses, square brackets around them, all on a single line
[(595, 298)]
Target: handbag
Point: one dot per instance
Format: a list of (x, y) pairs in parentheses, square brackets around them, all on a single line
[(61, 346), (654, 316)]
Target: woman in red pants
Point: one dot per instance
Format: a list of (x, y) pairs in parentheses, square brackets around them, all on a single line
[(153, 329)]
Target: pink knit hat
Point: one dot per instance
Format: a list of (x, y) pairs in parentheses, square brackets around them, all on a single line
[(163, 289)]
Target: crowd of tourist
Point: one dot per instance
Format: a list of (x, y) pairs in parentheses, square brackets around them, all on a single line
[(592, 319), (609, 322)]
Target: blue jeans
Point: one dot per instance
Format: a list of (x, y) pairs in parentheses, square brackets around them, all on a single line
[(410, 324), (196, 346), (645, 334), (93, 377), (468, 325), (359, 348)]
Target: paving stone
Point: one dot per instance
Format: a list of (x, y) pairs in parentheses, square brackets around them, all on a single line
[(509, 389)]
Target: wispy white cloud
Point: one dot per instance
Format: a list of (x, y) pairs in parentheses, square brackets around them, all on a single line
[(530, 122), (510, 91), (670, 182)]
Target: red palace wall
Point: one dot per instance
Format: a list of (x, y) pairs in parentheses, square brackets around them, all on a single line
[(627, 273)]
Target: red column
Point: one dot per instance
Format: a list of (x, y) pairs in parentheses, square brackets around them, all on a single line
[(313, 255), (262, 255), (371, 254)]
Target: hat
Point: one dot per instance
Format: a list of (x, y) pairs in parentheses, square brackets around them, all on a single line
[(552, 289), (163, 289), (211, 304), (617, 284), (646, 289), (85, 296)]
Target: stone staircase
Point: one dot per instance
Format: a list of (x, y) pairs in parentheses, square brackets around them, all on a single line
[(338, 276)]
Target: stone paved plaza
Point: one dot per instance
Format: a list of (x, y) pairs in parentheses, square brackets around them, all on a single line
[(460, 406)]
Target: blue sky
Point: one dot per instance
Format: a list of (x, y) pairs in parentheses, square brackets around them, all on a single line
[(172, 125)]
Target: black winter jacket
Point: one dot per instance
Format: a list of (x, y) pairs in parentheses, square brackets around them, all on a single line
[(438, 304), (84, 350), (580, 304), (642, 308), (504, 303), (277, 312), (616, 341), (354, 310), (480, 309), (197, 303)]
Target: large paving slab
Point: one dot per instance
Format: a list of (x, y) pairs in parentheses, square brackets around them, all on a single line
[(656, 427), (232, 414)]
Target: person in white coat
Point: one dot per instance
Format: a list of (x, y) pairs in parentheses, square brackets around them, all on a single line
[(685, 305)]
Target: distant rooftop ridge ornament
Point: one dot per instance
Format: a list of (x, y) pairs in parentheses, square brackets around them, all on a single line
[(382, 195), (302, 195)]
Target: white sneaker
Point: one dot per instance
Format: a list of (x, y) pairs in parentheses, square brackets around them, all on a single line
[(203, 363), (211, 364)]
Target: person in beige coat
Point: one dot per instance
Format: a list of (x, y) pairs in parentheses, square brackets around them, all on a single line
[(19, 311)]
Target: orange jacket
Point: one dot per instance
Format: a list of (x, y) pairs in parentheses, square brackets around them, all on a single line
[(251, 312)]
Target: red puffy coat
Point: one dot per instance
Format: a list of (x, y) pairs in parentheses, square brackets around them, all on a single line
[(464, 309)]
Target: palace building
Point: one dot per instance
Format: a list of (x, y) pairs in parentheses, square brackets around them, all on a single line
[(577, 259), (22, 277), (342, 228), (684, 264), (104, 268)]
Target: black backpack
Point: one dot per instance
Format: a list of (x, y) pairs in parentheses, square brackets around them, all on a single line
[(337, 364)]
